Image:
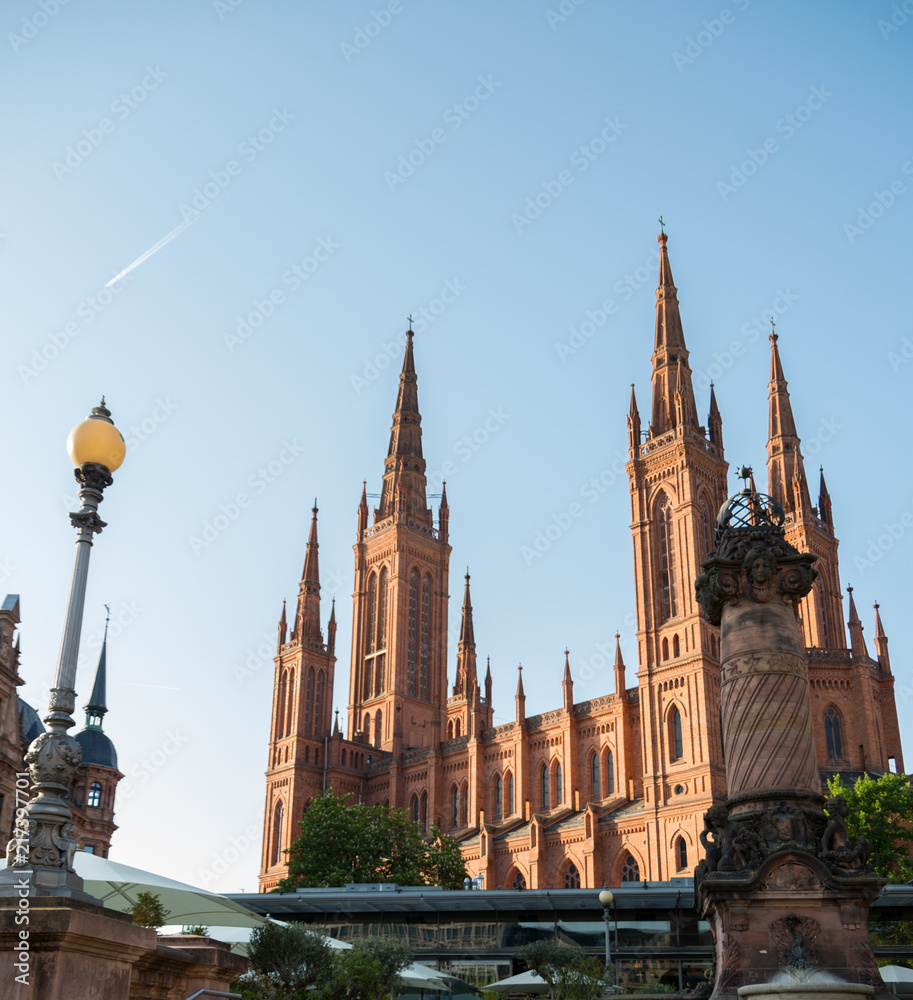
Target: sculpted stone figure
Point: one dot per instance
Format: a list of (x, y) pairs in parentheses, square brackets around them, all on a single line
[(836, 834), (715, 820)]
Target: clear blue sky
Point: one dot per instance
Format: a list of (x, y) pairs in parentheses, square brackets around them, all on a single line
[(282, 133)]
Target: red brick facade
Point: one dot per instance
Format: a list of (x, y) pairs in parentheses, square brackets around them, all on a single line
[(609, 790)]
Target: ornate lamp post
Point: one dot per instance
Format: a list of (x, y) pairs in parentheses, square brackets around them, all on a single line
[(606, 897), (43, 845)]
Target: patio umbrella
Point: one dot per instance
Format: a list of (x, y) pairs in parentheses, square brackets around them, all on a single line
[(116, 886), (523, 982), (896, 974)]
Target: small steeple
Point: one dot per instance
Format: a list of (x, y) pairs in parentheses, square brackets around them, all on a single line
[(521, 695), (444, 514), (824, 503), (715, 422), (331, 630), (96, 707), (567, 684), (466, 648), (619, 668), (633, 426), (881, 643), (488, 682), (283, 626), (785, 469), (336, 731), (363, 509), (857, 640), (307, 619), (673, 394)]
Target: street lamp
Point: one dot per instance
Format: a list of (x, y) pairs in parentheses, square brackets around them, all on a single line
[(43, 845), (606, 897)]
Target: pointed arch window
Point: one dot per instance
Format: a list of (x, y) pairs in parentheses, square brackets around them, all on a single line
[(544, 786), (832, 734), (412, 638), (413, 807), (572, 877), (665, 553), (94, 798), (425, 658), (464, 805), (499, 801), (371, 627), (559, 785), (289, 703), (280, 706), (457, 729), (681, 853), (320, 726), (610, 773), (630, 869), (309, 705), (509, 805), (518, 882), (455, 807), (676, 646), (378, 728), (423, 811), (705, 528), (676, 746), (278, 823), (381, 632), (596, 777)]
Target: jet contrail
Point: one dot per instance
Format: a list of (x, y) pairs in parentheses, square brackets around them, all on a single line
[(153, 249)]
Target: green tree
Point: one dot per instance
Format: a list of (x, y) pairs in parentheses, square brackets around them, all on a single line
[(570, 974), (287, 962), (148, 910), (881, 810), (341, 843), (369, 971)]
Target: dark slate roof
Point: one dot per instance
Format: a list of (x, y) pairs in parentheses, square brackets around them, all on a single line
[(97, 748), (30, 726)]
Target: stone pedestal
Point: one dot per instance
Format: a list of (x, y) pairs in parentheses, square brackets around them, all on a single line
[(81, 950), (806, 991)]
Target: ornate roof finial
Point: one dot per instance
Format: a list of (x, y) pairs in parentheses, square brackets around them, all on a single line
[(662, 229)]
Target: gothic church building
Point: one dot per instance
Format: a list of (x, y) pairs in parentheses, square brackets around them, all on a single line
[(592, 793)]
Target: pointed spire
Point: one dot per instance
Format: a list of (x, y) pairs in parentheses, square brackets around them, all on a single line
[(444, 514), (825, 511), (96, 707), (714, 421), (363, 509), (488, 681), (881, 643), (307, 619), (467, 634), (283, 626), (336, 731), (404, 469), (673, 394), (331, 630), (633, 426), (521, 695), (619, 667), (785, 469), (857, 640), (466, 648), (567, 683)]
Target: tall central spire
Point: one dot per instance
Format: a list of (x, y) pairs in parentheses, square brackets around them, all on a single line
[(404, 467), (673, 394), (785, 469), (307, 620), (466, 677)]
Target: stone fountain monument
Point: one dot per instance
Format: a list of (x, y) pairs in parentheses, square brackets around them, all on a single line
[(785, 889)]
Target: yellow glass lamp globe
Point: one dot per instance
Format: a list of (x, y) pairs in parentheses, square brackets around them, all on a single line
[(97, 440)]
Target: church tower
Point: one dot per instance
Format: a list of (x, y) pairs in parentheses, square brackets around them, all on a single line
[(677, 478), (398, 680), (808, 528), (302, 712)]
